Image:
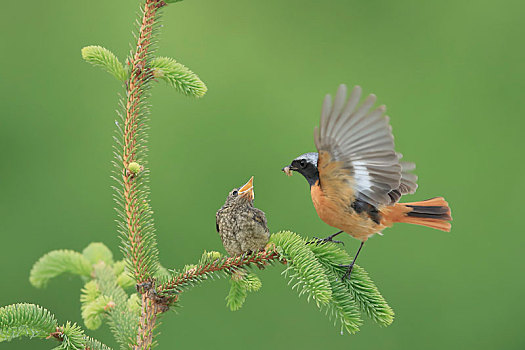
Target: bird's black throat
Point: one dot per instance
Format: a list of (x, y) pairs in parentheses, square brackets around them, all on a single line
[(310, 172)]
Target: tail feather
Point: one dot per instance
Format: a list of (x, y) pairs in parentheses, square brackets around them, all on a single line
[(434, 213)]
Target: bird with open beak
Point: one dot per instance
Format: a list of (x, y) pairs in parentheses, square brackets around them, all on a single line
[(242, 227), (356, 177)]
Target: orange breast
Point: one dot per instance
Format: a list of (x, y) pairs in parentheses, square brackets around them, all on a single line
[(335, 211)]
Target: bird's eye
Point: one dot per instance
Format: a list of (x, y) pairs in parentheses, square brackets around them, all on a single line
[(302, 163), (235, 192)]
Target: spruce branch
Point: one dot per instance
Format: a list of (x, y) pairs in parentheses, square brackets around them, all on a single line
[(93, 344), (137, 230), (178, 76), (27, 320), (102, 57), (343, 307), (148, 322), (241, 282), (34, 321), (124, 278), (178, 282), (56, 263), (362, 289), (237, 295), (132, 192), (315, 269), (122, 321), (96, 252), (92, 311), (303, 267), (251, 282), (134, 304), (71, 336)]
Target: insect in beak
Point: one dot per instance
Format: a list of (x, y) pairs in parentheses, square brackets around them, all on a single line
[(288, 170)]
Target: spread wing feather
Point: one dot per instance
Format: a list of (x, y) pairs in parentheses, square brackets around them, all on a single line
[(361, 138), (408, 183)]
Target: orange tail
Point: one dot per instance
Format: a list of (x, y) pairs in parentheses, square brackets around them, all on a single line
[(433, 212)]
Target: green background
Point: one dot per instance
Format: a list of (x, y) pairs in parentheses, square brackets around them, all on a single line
[(450, 72)]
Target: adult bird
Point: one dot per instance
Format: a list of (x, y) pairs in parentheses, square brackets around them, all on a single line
[(242, 227), (356, 178)]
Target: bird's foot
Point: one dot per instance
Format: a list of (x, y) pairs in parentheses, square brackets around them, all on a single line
[(348, 271), (318, 240)]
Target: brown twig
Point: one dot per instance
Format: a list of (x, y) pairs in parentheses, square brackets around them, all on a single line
[(58, 335), (260, 258)]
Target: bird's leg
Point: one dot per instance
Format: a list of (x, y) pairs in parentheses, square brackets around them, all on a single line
[(351, 266), (327, 239)]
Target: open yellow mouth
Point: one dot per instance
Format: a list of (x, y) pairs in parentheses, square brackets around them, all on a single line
[(246, 191)]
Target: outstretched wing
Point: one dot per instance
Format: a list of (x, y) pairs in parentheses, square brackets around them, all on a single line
[(359, 143)]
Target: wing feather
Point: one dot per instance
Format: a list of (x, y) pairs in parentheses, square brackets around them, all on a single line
[(361, 139), (408, 183)]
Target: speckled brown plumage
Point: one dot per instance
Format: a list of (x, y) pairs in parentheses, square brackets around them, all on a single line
[(242, 227)]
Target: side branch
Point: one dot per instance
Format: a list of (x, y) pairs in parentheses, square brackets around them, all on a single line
[(260, 258)]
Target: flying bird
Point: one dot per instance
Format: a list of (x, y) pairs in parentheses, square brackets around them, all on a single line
[(356, 177), (242, 227)]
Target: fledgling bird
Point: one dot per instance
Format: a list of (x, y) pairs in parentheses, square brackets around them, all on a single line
[(356, 179), (243, 228)]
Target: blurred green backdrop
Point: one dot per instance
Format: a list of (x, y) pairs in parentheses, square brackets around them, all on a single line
[(450, 72)]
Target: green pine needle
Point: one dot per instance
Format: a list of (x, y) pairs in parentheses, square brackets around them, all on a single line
[(27, 320), (123, 322), (96, 252), (360, 286), (93, 311), (124, 278), (94, 305), (209, 257), (134, 304), (162, 273), (251, 282), (125, 281), (92, 344), (178, 76), (34, 321), (90, 292), (118, 267), (343, 306), (237, 295), (368, 297), (56, 263), (241, 282), (303, 267), (73, 337), (102, 57)]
